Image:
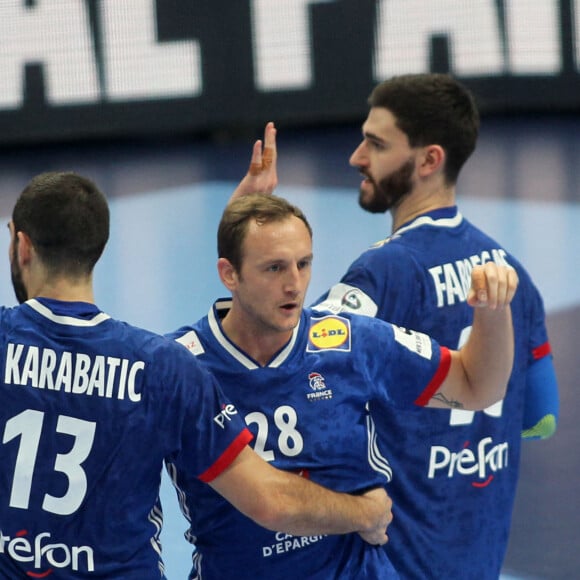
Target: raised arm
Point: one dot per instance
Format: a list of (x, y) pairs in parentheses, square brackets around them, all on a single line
[(285, 502), (479, 372), (262, 176)]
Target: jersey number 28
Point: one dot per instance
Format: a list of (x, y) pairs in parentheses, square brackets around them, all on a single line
[(290, 442)]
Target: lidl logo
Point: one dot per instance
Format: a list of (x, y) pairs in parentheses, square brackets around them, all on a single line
[(329, 333)]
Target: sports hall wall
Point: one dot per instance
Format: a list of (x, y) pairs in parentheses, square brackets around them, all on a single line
[(77, 69)]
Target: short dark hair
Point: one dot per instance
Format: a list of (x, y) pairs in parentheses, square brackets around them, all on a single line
[(431, 109), (259, 207), (67, 219)]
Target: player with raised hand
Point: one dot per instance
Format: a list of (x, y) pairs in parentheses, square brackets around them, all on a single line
[(461, 467)]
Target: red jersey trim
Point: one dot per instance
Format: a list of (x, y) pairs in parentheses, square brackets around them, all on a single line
[(439, 376), (542, 351), (226, 458)]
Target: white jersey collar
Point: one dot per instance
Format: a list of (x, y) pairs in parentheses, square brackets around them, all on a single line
[(66, 320), (214, 316), (429, 220)]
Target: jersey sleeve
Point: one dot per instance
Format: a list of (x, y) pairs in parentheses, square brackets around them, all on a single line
[(541, 406), (211, 431), (542, 403), (381, 283), (407, 367)]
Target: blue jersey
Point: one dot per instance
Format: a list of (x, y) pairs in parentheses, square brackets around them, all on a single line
[(454, 472), (90, 409), (307, 410)]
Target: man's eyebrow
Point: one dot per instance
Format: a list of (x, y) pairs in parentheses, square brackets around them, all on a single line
[(373, 136)]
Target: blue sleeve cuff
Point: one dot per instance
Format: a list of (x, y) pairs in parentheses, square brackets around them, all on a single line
[(542, 403)]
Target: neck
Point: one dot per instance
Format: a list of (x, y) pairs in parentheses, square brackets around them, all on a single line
[(258, 341), (415, 205), (67, 291)]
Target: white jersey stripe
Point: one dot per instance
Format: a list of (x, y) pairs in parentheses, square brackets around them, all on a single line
[(376, 459), (66, 320), (426, 220)]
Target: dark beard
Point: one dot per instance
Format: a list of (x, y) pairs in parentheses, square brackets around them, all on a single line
[(16, 274), (389, 192)]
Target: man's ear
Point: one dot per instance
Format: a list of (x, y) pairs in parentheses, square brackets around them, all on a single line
[(432, 160), (227, 273), (24, 248)]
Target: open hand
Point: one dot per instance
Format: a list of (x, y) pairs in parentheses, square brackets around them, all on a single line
[(262, 176)]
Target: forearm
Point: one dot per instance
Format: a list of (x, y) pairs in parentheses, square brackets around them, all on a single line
[(480, 371), (309, 509), (288, 503), (487, 357)]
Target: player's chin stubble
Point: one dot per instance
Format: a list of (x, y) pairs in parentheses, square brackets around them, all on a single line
[(389, 192)]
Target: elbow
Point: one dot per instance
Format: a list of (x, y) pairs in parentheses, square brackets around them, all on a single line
[(481, 399)]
